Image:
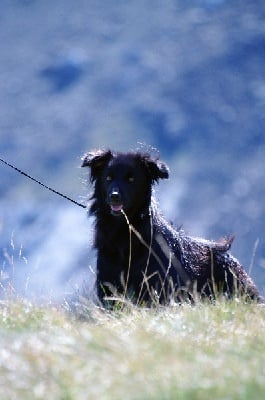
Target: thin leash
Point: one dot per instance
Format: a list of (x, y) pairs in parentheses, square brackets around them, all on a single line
[(42, 184)]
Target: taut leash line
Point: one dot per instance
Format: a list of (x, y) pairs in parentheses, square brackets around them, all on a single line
[(42, 184)]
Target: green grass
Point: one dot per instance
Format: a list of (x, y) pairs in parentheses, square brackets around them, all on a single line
[(186, 352)]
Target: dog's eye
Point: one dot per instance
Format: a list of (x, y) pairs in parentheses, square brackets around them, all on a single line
[(109, 178)]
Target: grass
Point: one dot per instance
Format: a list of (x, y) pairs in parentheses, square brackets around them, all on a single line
[(185, 352)]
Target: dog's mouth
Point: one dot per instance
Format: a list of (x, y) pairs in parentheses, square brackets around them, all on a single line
[(116, 209)]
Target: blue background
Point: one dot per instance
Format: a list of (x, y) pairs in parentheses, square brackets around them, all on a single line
[(185, 77)]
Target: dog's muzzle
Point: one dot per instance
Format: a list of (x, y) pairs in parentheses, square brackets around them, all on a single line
[(115, 202)]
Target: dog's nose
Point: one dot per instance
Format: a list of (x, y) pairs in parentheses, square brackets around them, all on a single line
[(115, 196)]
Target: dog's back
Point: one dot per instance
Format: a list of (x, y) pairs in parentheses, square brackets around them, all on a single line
[(142, 256)]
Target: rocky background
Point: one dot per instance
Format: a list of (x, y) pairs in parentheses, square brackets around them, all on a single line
[(186, 77)]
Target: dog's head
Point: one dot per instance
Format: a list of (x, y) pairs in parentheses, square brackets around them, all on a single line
[(123, 181)]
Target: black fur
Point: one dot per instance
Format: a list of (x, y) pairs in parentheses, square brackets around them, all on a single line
[(140, 254)]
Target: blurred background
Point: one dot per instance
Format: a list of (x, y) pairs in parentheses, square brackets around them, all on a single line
[(185, 77)]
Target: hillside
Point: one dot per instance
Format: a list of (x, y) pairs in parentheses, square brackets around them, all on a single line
[(193, 353)]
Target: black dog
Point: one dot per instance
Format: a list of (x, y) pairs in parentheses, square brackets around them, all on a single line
[(142, 256)]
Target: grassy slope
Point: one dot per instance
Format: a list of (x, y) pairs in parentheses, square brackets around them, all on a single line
[(201, 352)]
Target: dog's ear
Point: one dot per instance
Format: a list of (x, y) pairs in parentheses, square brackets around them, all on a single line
[(96, 160), (157, 169)]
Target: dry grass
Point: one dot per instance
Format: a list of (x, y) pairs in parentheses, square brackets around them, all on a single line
[(186, 352)]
